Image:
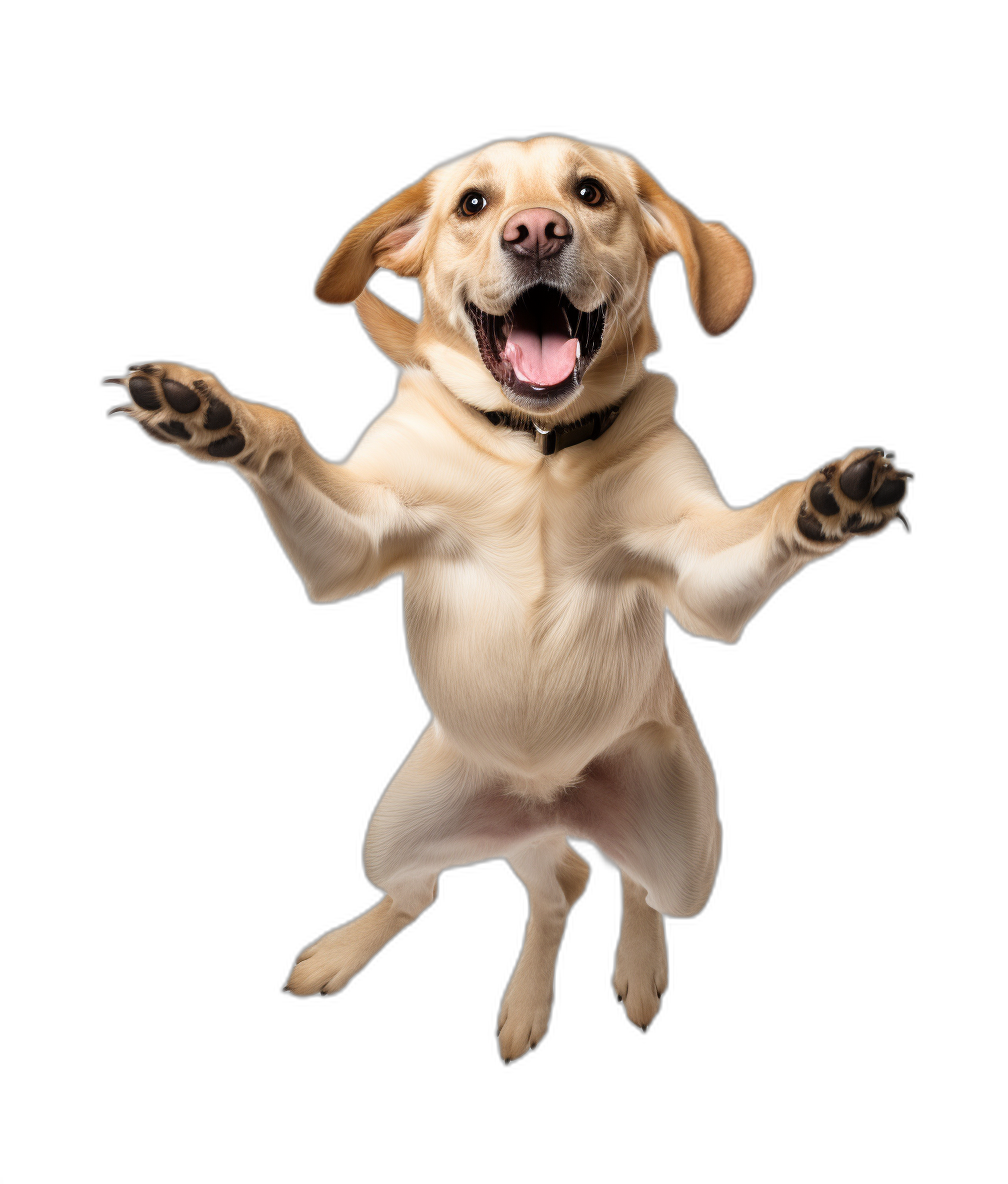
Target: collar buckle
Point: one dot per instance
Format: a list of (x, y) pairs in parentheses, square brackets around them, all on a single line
[(562, 435)]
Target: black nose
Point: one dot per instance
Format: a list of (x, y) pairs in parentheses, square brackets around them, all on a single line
[(536, 234)]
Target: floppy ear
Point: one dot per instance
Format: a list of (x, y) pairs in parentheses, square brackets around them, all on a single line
[(390, 237), (717, 264), (394, 334)]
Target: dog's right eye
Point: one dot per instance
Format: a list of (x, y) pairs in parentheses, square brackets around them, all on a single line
[(472, 203)]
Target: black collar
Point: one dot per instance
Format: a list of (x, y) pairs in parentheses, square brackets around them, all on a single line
[(561, 435)]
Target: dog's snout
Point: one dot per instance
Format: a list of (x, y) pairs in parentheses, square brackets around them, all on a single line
[(536, 233)]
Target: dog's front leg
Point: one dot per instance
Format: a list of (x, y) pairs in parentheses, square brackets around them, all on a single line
[(715, 566), (343, 533)]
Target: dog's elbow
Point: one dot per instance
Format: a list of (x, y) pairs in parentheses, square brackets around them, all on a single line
[(726, 629), (729, 627), (729, 634), (325, 589), (320, 593)]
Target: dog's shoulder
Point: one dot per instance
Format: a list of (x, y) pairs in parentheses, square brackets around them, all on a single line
[(425, 444)]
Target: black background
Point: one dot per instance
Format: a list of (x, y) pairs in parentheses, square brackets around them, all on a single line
[(254, 733)]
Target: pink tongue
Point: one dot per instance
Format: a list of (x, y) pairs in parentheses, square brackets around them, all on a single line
[(541, 361)]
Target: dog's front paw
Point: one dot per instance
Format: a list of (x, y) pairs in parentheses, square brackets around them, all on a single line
[(177, 405), (858, 495)]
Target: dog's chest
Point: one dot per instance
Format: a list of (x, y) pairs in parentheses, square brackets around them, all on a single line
[(526, 625), (530, 546)]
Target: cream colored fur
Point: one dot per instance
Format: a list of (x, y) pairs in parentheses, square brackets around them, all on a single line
[(535, 586)]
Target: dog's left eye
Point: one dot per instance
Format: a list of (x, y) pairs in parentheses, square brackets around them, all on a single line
[(472, 203), (590, 192)]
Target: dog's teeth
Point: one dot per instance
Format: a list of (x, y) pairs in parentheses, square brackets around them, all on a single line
[(577, 349)]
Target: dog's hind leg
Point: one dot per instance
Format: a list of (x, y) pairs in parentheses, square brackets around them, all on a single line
[(641, 973), (439, 811), (650, 805), (555, 876)]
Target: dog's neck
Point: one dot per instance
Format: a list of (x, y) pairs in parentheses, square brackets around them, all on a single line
[(558, 435), (399, 338)]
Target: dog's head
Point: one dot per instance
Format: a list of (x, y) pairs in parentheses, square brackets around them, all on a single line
[(534, 258)]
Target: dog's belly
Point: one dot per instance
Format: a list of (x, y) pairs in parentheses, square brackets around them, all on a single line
[(536, 686)]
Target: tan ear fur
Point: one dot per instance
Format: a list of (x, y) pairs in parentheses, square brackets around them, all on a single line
[(393, 333), (717, 264), (390, 237)]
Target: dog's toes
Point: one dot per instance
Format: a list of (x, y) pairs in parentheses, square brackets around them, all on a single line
[(142, 393), (518, 1037), (524, 1016), (890, 492), (641, 1006), (823, 500), (810, 526), (179, 397), (182, 406), (641, 973), (859, 495), (856, 479), (218, 415), (319, 976)]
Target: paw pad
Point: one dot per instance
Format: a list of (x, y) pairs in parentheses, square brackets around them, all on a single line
[(218, 415), (856, 481), (823, 500), (809, 526), (229, 446), (858, 496), (890, 492), (199, 402), (143, 394), (179, 397)]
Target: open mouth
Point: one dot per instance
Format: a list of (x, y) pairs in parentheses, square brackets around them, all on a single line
[(541, 347)]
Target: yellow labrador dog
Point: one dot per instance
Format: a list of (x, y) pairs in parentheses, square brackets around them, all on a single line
[(531, 483)]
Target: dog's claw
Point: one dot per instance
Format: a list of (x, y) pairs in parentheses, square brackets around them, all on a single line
[(118, 410), (900, 516), (116, 381)]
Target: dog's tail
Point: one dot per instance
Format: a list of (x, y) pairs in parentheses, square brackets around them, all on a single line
[(393, 333)]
